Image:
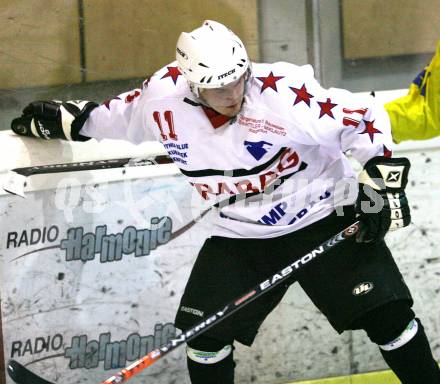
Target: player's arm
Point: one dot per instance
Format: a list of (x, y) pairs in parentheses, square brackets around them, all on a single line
[(381, 203), (337, 119), (118, 118), (342, 122)]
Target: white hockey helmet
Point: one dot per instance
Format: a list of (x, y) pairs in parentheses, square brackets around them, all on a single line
[(211, 56)]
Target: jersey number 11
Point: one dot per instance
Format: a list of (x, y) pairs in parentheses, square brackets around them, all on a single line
[(168, 116)]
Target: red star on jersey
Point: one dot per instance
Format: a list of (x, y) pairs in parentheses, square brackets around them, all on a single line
[(269, 82), (326, 108), (173, 72), (369, 128), (130, 97), (387, 152), (145, 83), (107, 102), (302, 95)]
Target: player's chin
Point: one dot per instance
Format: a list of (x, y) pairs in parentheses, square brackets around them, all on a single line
[(230, 110)]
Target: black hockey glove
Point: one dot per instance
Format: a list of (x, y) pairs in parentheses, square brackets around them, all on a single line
[(381, 204), (54, 119)]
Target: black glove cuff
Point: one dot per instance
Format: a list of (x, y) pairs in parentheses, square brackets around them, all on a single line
[(80, 120)]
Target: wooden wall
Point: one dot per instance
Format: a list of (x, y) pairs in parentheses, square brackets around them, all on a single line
[(375, 28), (41, 41), (144, 33)]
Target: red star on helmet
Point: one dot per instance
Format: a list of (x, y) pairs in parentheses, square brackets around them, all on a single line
[(269, 82), (173, 72), (369, 128), (302, 95), (326, 108)]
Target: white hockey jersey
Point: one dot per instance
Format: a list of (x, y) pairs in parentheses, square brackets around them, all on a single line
[(274, 168)]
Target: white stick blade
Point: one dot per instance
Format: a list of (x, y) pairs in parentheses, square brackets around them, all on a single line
[(14, 183)]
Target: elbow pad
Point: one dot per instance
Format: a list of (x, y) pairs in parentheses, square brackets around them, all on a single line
[(54, 119)]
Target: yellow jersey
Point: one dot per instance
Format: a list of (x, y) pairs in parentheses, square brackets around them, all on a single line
[(416, 116)]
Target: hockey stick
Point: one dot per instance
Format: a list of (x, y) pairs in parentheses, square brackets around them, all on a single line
[(16, 178), (21, 375)]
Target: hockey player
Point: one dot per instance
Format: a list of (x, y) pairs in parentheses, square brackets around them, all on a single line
[(267, 143)]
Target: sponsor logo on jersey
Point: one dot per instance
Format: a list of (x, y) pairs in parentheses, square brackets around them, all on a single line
[(275, 214), (362, 288), (288, 160), (223, 75), (261, 126), (177, 152), (256, 148), (280, 210)]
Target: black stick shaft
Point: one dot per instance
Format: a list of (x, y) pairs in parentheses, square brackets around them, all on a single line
[(92, 165)]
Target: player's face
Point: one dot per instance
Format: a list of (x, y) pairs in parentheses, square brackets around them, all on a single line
[(226, 100)]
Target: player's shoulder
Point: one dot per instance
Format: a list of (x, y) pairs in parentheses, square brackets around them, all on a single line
[(273, 84), (274, 81), (281, 72), (166, 83)]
